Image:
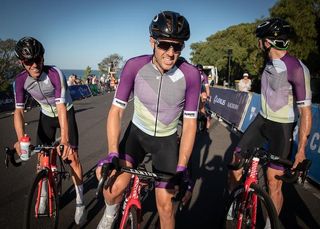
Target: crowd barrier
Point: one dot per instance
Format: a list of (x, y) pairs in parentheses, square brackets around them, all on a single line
[(6, 101), (240, 108), (77, 92), (228, 104)]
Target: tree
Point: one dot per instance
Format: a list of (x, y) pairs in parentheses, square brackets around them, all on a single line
[(110, 63), (86, 73), (9, 65), (241, 39), (304, 16)]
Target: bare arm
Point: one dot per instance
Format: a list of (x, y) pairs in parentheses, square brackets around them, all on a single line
[(19, 127), (63, 121), (187, 140), (304, 131), (207, 90), (114, 128), (19, 122)]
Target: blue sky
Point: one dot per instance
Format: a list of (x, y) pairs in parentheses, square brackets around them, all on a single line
[(80, 33)]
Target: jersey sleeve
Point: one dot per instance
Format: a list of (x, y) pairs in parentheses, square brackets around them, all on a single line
[(60, 85), (193, 87), (19, 91), (127, 78), (299, 77)]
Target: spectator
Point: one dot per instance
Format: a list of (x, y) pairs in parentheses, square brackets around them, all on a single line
[(245, 83), (71, 80)]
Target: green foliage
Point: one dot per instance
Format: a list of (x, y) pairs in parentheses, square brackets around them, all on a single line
[(87, 72), (245, 53), (303, 15), (9, 65), (110, 63)]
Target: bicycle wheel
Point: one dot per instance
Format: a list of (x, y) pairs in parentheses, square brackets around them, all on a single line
[(131, 222), (43, 205), (265, 211)]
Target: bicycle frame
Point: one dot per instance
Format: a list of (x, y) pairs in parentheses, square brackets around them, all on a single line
[(46, 165), (250, 195), (132, 198), (140, 178), (252, 178)]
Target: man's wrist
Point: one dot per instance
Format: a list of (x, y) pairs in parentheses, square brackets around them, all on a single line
[(181, 168)]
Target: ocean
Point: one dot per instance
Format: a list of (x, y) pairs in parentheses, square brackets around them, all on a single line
[(79, 73)]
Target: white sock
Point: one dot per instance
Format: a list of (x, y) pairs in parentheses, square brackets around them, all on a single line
[(111, 210), (79, 194)]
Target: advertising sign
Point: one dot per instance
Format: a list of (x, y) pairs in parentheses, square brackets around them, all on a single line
[(252, 111), (79, 92), (228, 103)]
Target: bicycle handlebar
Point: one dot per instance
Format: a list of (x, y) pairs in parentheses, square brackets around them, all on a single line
[(107, 168), (10, 153), (300, 171), (290, 177), (10, 158)]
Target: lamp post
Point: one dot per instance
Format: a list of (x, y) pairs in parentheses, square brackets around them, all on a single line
[(229, 69)]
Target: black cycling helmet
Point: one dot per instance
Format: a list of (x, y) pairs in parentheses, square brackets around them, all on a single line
[(28, 48), (169, 24), (276, 30), (200, 67)]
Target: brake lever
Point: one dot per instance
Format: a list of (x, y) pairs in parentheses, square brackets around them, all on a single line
[(104, 175)]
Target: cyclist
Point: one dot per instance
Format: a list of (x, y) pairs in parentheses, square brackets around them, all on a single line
[(205, 94), (163, 87), (285, 90), (48, 86)]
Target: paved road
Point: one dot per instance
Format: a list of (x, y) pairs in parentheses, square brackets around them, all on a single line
[(211, 152)]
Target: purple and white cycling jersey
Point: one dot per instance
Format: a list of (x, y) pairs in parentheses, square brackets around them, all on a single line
[(285, 85), (48, 90), (159, 99)]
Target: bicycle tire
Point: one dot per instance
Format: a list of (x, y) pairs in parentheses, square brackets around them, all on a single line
[(265, 209), (131, 221), (44, 220)]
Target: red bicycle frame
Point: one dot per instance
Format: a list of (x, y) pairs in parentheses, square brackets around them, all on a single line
[(252, 178), (132, 199), (45, 164)]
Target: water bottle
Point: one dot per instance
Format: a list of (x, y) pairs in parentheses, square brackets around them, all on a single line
[(24, 146)]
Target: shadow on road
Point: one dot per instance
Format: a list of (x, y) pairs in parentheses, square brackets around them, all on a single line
[(93, 206), (294, 207)]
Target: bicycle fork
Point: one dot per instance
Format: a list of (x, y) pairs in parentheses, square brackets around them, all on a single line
[(246, 203), (45, 164)]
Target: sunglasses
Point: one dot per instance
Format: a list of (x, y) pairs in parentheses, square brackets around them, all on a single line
[(166, 45), (279, 43), (37, 60)]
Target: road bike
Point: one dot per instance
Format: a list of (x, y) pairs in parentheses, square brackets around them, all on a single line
[(141, 183), (249, 205), (42, 210)]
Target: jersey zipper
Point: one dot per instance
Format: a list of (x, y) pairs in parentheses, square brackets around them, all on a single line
[(158, 101)]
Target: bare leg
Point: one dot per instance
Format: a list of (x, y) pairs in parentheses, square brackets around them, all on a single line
[(275, 186), (165, 208)]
